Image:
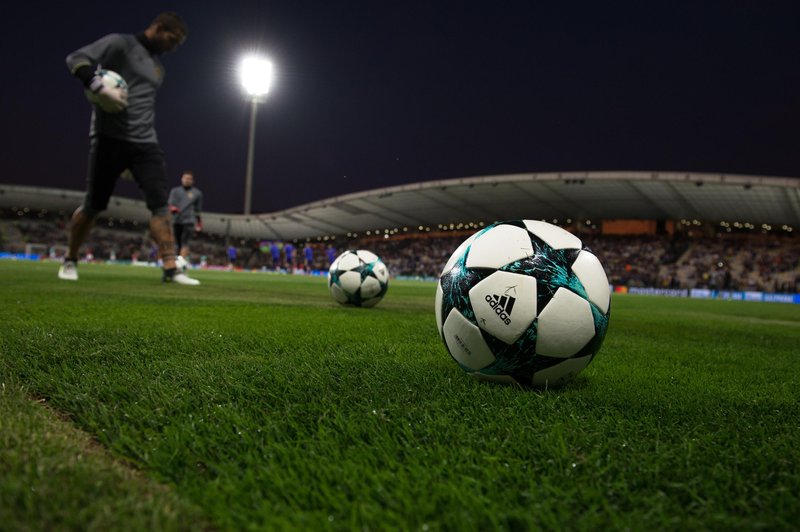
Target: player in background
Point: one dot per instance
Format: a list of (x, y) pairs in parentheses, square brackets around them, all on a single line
[(275, 251), (308, 253), (232, 254), (185, 204), (122, 134), (331, 254), (288, 252)]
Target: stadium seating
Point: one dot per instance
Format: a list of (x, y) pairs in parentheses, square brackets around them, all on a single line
[(751, 260)]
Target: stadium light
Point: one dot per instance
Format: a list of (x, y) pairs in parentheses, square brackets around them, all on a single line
[(256, 77)]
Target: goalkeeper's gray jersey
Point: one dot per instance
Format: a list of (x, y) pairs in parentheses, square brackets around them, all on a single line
[(189, 203), (142, 71)]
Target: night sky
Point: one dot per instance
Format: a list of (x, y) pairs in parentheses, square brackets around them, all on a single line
[(379, 93)]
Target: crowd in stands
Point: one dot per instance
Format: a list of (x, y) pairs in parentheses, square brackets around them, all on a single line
[(740, 261)]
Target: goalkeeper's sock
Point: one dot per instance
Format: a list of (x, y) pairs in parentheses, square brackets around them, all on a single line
[(169, 273)]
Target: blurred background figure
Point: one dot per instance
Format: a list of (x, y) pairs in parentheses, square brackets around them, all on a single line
[(185, 204)]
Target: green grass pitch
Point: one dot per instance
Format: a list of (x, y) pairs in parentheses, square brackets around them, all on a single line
[(255, 401)]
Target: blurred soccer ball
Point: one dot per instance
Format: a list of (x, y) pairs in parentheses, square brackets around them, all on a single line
[(111, 80), (181, 263), (358, 278), (523, 301)]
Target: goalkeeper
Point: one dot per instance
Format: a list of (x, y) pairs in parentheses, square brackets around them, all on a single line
[(122, 134), (185, 204)]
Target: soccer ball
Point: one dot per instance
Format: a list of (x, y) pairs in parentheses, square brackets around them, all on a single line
[(181, 263), (523, 302), (358, 278), (112, 80)]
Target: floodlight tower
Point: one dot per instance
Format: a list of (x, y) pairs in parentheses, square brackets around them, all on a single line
[(256, 76)]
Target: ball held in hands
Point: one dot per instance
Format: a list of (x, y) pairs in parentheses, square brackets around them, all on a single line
[(108, 90)]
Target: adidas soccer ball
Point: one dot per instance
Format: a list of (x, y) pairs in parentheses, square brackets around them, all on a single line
[(112, 80), (523, 302), (358, 278), (181, 263)]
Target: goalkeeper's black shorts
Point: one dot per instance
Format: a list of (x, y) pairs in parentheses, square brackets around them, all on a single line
[(109, 157)]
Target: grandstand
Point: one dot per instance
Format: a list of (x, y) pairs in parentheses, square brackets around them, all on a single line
[(651, 229)]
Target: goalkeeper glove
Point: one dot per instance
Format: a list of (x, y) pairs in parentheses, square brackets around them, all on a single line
[(109, 99)]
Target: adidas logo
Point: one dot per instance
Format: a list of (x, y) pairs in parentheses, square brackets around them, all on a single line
[(502, 306)]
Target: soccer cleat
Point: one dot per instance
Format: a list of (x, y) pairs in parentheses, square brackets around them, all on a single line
[(68, 271), (174, 276), (182, 278)]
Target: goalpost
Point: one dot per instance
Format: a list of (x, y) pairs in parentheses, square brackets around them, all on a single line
[(41, 251), (33, 250), (58, 251)]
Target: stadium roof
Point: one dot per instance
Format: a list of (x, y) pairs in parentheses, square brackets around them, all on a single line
[(550, 196)]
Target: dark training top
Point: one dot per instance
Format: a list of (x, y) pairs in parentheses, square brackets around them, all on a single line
[(143, 72), (189, 203)]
